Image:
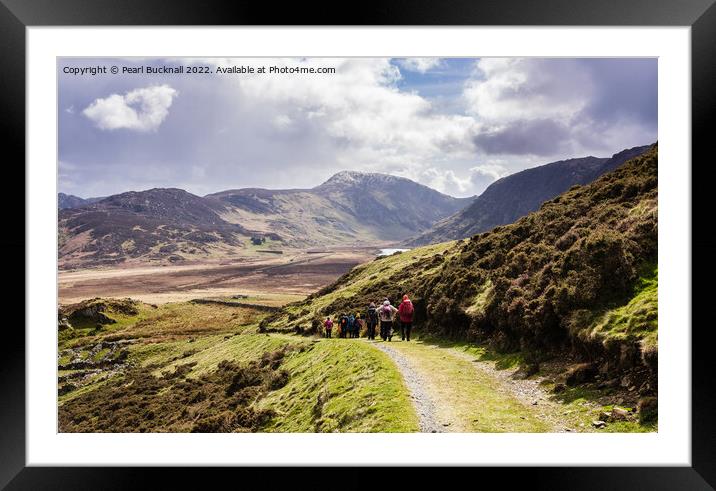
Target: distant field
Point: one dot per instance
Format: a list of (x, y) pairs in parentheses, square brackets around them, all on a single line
[(270, 279)]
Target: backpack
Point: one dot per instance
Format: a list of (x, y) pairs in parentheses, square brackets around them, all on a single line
[(408, 308), (372, 316), (387, 311)]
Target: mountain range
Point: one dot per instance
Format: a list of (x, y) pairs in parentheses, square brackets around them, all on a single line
[(349, 209), (171, 224), (516, 195)]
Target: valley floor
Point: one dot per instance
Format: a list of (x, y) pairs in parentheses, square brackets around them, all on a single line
[(286, 277)]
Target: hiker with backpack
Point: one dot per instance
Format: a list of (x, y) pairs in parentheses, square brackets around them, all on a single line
[(386, 315), (357, 326), (329, 327), (405, 311), (351, 325), (371, 320), (343, 326)]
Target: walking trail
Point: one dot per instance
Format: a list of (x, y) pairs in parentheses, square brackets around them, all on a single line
[(453, 391)]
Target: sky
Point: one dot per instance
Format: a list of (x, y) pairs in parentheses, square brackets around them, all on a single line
[(454, 124)]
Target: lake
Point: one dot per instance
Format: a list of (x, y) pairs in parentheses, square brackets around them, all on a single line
[(388, 252)]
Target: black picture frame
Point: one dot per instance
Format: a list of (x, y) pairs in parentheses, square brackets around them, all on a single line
[(700, 15)]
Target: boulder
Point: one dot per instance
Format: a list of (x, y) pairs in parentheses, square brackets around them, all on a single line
[(648, 409), (579, 374), (619, 414), (599, 424), (559, 388)]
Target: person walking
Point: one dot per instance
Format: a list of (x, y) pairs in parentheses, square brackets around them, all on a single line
[(329, 327), (387, 313), (405, 312), (357, 326), (371, 320), (351, 325), (343, 326)]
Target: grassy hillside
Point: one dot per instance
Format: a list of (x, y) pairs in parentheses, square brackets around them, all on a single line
[(576, 276), (125, 366)]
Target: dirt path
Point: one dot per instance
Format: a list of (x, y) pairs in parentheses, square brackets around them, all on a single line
[(424, 406), (527, 391), (452, 392)]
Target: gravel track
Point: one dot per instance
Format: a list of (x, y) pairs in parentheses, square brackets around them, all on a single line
[(424, 405)]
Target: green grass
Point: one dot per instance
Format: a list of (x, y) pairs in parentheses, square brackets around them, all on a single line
[(365, 275), (638, 319), (502, 361), (241, 348), (470, 399), (341, 385), (581, 407)]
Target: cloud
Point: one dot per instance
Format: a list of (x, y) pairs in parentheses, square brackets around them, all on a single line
[(561, 106), (444, 130), (357, 114), (478, 178), (535, 137), (140, 110), (420, 65)]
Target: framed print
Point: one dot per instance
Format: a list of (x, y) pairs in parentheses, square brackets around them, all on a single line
[(435, 236)]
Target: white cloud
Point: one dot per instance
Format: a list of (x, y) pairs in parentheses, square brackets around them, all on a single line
[(420, 65), (475, 182), (358, 112), (513, 89), (140, 110)]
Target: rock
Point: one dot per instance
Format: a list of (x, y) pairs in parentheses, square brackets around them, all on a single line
[(605, 416), (619, 414), (65, 389), (648, 409), (626, 381), (599, 424), (579, 374), (63, 324), (559, 388)]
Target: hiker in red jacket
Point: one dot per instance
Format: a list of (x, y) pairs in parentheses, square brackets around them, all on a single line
[(405, 312)]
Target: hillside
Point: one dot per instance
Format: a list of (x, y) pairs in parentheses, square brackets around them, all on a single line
[(70, 201), (350, 207), (153, 224), (577, 278), (516, 195), (173, 225)]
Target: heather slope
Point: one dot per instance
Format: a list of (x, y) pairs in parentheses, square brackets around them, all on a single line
[(577, 277)]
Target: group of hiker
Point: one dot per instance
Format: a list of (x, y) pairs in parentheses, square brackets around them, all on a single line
[(382, 318)]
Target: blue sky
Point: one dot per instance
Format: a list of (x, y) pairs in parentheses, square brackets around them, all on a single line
[(453, 124)]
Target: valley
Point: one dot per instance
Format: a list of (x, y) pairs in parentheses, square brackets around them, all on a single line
[(291, 275), (546, 324)]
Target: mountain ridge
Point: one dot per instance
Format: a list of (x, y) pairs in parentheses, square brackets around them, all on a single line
[(518, 194), (172, 224)]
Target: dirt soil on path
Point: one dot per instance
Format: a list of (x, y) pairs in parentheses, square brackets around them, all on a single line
[(453, 393), (424, 406)]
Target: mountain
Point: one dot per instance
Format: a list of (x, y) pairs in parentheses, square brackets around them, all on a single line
[(70, 201), (350, 207), (153, 224), (171, 224), (516, 195), (576, 279)]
